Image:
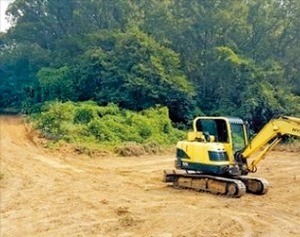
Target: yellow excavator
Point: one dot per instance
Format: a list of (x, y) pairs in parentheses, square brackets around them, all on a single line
[(215, 156)]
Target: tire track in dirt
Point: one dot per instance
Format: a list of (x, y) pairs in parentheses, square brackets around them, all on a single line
[(56, 164)]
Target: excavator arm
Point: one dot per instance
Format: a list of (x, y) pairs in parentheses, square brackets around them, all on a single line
[(272, 132)]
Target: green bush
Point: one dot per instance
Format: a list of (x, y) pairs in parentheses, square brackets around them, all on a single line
[(123, 131), (111, 109), (83, 115)]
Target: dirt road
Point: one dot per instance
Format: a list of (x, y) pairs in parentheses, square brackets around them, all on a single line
[(46, 193)]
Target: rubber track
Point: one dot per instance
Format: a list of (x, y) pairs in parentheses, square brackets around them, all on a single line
[(263, 182), (174, 177)]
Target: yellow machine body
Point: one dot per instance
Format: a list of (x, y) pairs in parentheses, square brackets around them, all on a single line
[(215, 156)]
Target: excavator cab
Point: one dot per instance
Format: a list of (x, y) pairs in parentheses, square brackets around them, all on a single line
[(231, 132), (211, 146)]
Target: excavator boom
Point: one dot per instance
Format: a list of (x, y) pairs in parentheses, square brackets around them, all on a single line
[(275, 129)]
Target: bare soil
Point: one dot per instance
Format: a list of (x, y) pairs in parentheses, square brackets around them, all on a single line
[(51, 193)]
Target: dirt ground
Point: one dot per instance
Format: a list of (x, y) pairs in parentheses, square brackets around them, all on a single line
[(47, 193)]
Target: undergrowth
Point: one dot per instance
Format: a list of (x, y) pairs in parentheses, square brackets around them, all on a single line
[(92, 128)]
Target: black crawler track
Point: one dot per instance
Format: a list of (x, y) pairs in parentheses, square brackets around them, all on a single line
[(201, 182), (255, 185)]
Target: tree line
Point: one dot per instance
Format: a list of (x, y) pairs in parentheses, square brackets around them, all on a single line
[(216, 57)]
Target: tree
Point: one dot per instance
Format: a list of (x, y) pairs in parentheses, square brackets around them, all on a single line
[(133, 70), (18, 66), (142, 53), (56, 84)]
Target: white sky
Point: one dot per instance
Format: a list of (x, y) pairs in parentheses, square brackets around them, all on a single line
[(3, 22)]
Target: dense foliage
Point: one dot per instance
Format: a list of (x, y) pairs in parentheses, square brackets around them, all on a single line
[(92, 126), (218, 57)]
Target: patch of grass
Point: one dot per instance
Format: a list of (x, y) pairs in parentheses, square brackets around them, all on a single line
[(108, 127)]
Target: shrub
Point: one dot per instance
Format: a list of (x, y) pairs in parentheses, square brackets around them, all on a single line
[(125, 131), (110, 109), (83, 115)]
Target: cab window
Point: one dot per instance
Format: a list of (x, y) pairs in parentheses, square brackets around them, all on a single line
[(238, 138), (215, 127)]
